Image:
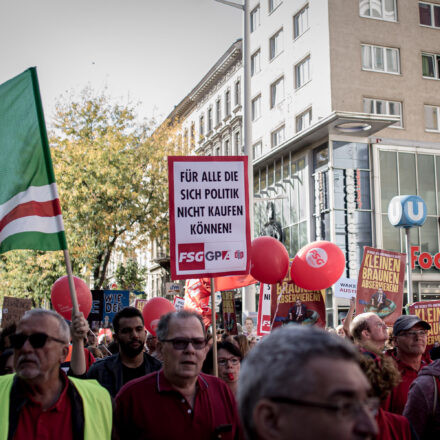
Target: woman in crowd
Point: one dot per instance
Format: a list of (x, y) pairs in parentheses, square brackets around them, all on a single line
[(228, 361)]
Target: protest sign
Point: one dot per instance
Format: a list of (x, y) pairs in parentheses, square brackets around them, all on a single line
[(428, 311), (14, 309), (178, 303), (209, 216), (197, 298), (173, 289), (345, 288), (140, 303), (291, 303), (106, 303), (264, 309), (380, 284), (229, 313)]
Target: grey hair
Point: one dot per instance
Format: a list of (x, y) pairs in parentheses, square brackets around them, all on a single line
[(164, 323), (63, 327), (359, 324), (279, 363)]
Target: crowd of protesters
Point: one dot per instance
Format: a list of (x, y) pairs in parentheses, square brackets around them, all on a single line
[(359, 381)]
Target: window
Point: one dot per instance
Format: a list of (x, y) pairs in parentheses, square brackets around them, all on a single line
[(380, 9), (277, 137), (255, 62), (237, 90), (257, 149), (218, 112), (273, 4), (255, 18), (193, 134), (431, 65), (380, 59), (276, 92), (256, 108), (303, 120), (237, 149), (217, 150), (202, 125), (209, 119), (227, 103), (429, 14), (432, 118), (276, 44), (227, 149), (382, 107), (302, 73), (301, 22)]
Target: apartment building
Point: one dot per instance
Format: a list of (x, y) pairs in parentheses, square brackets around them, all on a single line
[(345, 99)]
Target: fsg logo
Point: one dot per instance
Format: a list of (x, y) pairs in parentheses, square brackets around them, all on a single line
[(191, 256), (407, 211)]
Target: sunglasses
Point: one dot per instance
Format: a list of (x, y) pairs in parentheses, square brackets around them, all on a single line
[(182, 343), (37, 340)]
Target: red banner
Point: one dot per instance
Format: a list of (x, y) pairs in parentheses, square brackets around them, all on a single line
[(233, 282), (291, 303), (229, 314), (197, 298), (380, 284), (428, 311)]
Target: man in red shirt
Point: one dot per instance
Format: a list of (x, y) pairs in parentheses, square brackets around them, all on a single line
[(409, 333), (178, 401)]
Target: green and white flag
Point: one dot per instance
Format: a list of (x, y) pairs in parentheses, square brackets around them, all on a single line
[(30, 212)]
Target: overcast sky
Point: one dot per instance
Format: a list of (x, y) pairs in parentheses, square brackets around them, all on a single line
[(153, 51)]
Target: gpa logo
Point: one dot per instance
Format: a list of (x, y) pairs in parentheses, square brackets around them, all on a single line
[(191, 256), (239, 255)]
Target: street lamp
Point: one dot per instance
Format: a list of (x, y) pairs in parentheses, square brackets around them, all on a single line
[(249, 297)]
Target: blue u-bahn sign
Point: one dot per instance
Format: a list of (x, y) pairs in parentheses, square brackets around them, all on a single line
[(407, 211)]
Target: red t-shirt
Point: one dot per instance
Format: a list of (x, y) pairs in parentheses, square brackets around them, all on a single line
[(52, 424), (149, 408), (392, 426), (396, 401)]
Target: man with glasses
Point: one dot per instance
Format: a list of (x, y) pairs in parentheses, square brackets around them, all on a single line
[(303, 383), (39, 401), (178, 401), (410, 339)]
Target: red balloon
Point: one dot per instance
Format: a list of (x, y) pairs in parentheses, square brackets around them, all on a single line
[(269, 260), (60, 297), (317, 265), (153, 310)]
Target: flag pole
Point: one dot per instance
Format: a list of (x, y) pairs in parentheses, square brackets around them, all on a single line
[(214, 330), (75, 308)]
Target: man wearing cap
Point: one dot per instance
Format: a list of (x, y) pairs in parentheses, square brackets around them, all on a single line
[(410, 338)]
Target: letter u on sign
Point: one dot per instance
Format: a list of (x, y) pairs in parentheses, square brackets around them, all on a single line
[(407, 211)]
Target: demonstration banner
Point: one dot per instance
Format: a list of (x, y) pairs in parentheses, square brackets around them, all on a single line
[(229, 313), (209, 216), (345, 288), (291, 303), (197, 298), (264, 307), (380, 284), (428, 311), (179, 303), (140, 303), (14, 309), (106, 303)]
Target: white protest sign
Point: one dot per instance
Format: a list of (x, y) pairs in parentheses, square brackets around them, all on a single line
[(345, 288), (264, 312), (179, 302), (209, 216)]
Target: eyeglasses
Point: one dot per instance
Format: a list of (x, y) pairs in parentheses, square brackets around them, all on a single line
[(414, 333), (381, 325), (343, 410), (182, 343), (37, 340), (224, 361)]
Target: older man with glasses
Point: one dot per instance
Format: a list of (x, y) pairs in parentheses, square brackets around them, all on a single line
[(410, 339), (303, 383), (178, 401), (39, 401)]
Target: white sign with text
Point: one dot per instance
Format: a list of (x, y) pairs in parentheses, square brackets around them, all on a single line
[(345, 288)]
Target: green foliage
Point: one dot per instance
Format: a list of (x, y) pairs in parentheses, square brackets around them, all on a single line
[(111, 173), (130, 276)]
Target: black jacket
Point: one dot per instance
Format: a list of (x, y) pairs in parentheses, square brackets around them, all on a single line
[(108, 371)]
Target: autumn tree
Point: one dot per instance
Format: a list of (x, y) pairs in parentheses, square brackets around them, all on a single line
[(130, 276), (111, 173)]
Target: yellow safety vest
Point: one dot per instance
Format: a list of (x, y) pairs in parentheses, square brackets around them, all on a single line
[(97, 406)]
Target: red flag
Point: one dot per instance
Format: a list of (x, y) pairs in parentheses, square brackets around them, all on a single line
[(233, 282)]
